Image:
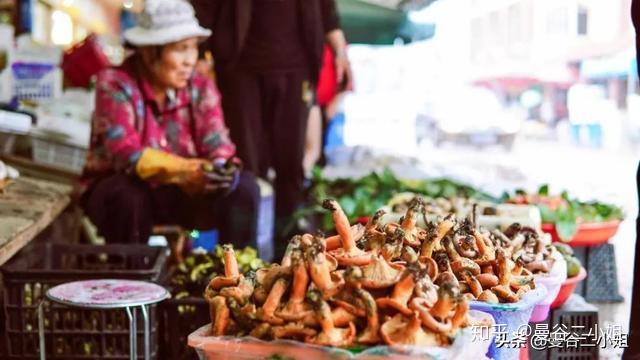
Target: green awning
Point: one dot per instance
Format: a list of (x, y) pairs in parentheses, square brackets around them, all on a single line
[(367, 23)]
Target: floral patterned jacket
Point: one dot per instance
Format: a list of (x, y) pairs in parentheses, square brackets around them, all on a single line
[(128, 119)]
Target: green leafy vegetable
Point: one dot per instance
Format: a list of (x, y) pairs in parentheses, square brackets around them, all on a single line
[(567, 212), (363, 196)]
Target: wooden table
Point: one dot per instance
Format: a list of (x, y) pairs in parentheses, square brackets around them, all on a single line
[(28, 206)]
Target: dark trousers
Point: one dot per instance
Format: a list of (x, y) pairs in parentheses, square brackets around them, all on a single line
[(267, 117), (125, 208)]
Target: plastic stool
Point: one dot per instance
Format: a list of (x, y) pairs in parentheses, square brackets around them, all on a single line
[(108, 294)]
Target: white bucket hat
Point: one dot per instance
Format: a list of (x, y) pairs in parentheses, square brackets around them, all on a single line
[(163, 22)]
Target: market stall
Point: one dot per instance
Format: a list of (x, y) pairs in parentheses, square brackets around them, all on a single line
[(396, 252)]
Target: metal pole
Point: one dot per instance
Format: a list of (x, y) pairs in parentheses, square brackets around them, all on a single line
[(43, 351), (147, 332), (133, 333)]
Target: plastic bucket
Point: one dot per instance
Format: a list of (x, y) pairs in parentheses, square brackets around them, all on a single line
[(552, 285), (552, 282), (567, 288), (509, 318), (588, 234)]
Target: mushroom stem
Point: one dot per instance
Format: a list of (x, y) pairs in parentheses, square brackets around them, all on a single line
[(295, 308), (243, 291), (464, 247), (518, 267), (320, 273), (330, 335), (351, 308), (294, 243), (428, 245), (443, 228), (374, 221), (300, 281), (393, 249), (411, 217), (430, 265), (401, 294), (474, 284), (447, 294), (442, 325), (503, 289), (341, 317), (485, 252), (220, 317), (267, 312), (335, 241), (342, 224), (504, 275), (451, 250), (409, 221), (502, 238), (370, 334), (460, 318), (230, 262)]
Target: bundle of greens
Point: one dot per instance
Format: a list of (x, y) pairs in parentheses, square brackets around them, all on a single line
[(565, 212), (362, 197)]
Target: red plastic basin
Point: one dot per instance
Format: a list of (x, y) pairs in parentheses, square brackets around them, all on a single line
[(567, 288), (590, 234)]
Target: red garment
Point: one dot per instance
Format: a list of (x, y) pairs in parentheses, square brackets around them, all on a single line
[(127, 119), (327, 83)]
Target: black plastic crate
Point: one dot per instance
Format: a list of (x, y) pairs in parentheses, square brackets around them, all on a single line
[(580, 323), (178, 319), (577, 322), (602, 282), (72, 333)]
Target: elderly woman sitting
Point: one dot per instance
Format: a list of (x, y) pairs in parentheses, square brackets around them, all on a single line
[(160, 151)]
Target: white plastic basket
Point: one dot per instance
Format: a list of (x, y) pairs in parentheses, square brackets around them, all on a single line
[(58, 155)]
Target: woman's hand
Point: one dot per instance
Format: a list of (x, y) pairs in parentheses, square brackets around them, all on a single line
[(217, 182), (222, 175)]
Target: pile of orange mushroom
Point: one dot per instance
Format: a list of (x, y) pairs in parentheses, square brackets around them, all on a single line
[(367, 285), (489, 266), (395, 284)]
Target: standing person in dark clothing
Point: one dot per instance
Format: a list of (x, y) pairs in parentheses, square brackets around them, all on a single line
[(267, 58), (633, 352)]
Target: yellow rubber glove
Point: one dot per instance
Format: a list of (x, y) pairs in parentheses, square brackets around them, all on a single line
[(165, 168)]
